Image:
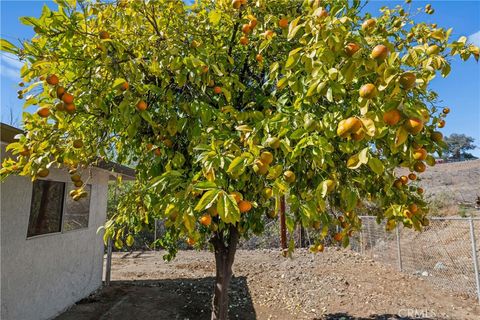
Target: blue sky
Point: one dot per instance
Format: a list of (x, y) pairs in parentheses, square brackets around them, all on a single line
[(460, 91)]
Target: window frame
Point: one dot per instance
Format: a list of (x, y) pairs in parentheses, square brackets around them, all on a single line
[(62, 220)]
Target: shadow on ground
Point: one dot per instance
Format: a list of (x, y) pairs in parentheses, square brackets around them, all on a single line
[(161, 299), (346, 316)]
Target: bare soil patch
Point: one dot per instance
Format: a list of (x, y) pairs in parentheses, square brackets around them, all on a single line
[(337, 284)]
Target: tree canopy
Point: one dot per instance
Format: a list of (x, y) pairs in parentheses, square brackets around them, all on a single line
[(225, 106), (458, 145)]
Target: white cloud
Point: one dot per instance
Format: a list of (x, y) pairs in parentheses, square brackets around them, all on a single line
[(475, 38), (10, 66)]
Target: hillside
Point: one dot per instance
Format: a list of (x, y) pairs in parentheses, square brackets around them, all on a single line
[(452, 188)]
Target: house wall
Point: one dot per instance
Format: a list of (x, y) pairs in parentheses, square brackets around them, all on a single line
[(44, 275)]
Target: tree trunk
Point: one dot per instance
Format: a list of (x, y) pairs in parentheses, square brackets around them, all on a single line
[(224, 256)]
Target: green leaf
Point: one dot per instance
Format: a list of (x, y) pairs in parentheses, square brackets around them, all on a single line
[(401, 136), (293, 28), (349, 199), (147, 117), (376, 165), (217, 71), (281, 83), (237, 165), (355, 161), (446, 69), (7, 46), (346, 241), (118, 244), (291, 61), (29, 21), (369, 126), (227, 94), (313, 87), (274, 172), (329, 94), (189, 221), (214, 16), (205, 185), (118, 82), (130, 240), (227, 208), (207, 199), (349, 72), (363, 156)]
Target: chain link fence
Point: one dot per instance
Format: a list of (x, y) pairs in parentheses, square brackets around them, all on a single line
[(445, 253)]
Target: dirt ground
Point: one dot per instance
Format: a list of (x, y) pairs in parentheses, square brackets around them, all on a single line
[(337, 284)]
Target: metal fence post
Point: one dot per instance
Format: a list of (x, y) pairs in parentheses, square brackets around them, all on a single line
[(474, 257), (399, 249), (108, 270)]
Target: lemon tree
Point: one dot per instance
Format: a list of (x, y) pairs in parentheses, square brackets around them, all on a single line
[(224, 107)]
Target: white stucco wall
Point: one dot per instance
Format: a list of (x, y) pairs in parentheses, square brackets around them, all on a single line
[(44, 275)]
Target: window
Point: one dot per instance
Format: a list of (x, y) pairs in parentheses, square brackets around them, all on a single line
[(76, 212), (46, 208), (53, 210)]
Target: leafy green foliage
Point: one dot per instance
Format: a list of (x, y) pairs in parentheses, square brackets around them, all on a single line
[(213, 106)]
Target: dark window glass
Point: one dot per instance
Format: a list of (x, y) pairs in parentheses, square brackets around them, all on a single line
[(76, 212), (46, 209)]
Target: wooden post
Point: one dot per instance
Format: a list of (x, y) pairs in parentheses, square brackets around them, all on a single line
[(283, 227), (108, 267)]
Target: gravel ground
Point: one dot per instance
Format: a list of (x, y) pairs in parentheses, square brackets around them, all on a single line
[(337, 284)]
